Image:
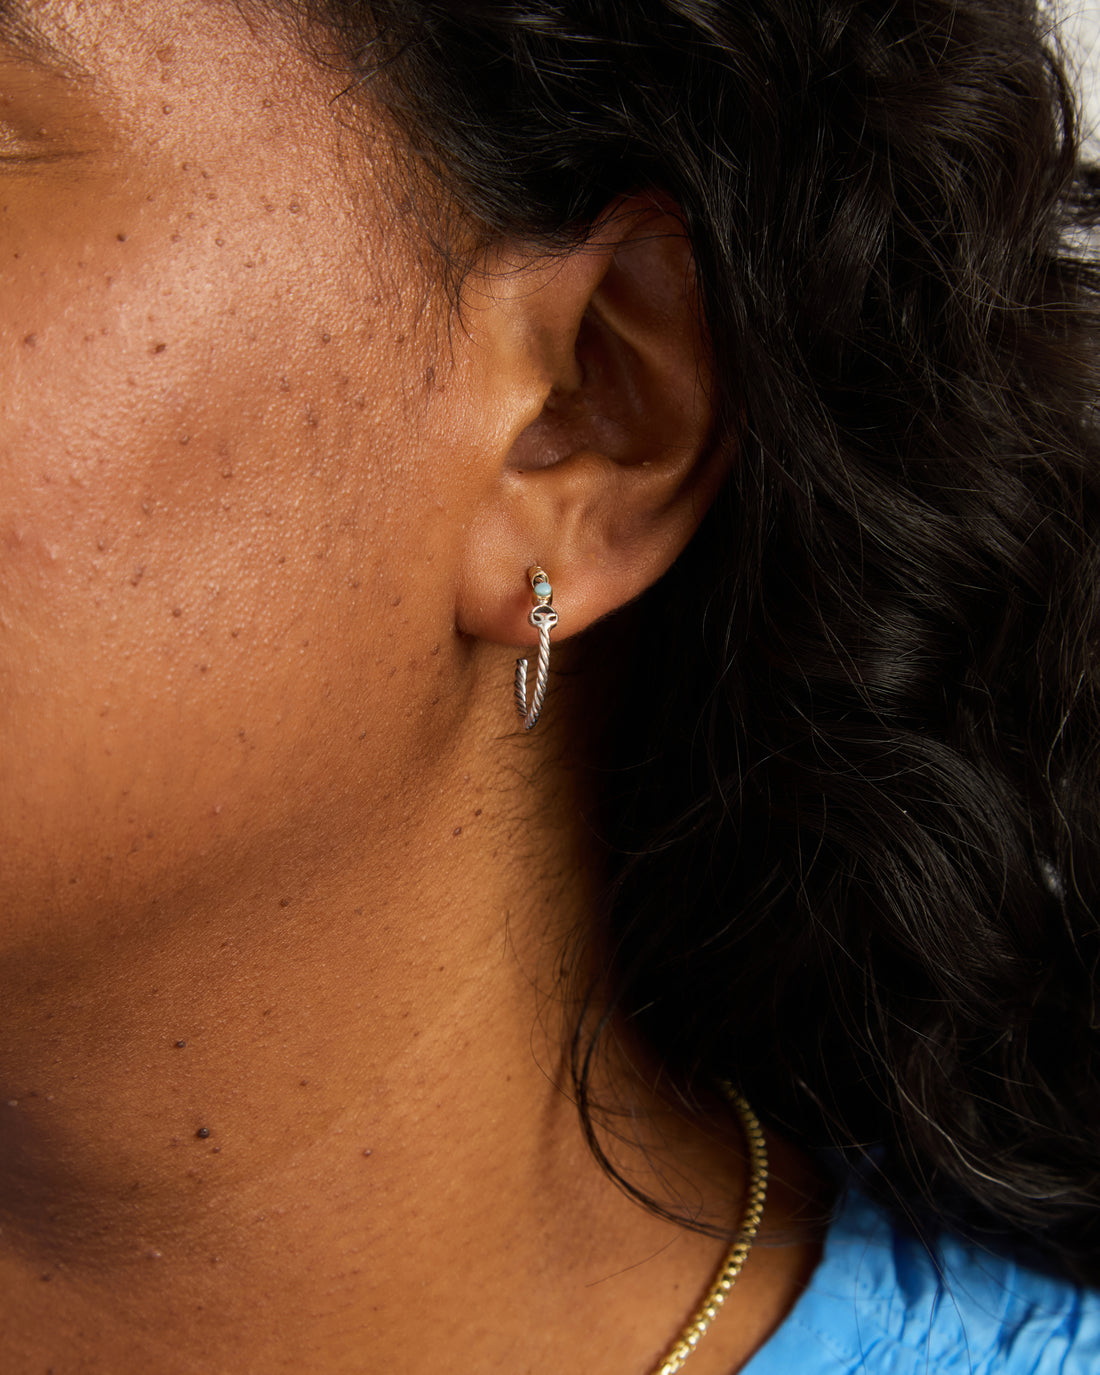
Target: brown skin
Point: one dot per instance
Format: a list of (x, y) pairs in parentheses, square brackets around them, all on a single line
[(265, 514)]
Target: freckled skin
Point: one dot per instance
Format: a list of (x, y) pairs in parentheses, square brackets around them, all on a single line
[(211, 495)]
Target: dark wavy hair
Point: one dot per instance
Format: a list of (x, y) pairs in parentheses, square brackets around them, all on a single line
[(855, 819)]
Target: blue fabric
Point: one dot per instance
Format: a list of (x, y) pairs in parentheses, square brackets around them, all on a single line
[(881, 1304)]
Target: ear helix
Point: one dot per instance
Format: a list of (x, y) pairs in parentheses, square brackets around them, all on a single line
[(544, 618)]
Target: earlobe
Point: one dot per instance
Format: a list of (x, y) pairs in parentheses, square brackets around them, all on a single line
[(607, 475)]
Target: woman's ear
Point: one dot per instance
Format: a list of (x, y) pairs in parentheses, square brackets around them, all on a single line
[(601, 470)]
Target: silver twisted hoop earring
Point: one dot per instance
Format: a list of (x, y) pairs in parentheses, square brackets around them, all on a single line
[(544, 618)]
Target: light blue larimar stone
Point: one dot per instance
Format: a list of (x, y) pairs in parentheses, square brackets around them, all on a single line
[(542, 589)]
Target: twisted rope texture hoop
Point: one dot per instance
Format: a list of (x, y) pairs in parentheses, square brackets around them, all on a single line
[(544, 618)]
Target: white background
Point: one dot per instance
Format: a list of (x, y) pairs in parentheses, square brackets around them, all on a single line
[(1080, 21)]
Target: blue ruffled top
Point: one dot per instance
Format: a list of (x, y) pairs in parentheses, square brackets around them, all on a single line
[(881, 1303)]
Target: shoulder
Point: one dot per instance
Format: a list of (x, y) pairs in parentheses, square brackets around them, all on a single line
[(885, 1304)]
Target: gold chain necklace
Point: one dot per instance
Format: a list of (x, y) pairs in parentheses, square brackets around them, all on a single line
[(696, 1327)]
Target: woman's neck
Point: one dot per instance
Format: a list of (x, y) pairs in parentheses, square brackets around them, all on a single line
[(326, 1130)]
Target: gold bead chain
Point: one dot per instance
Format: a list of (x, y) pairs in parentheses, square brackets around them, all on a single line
[(696, 1327)]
